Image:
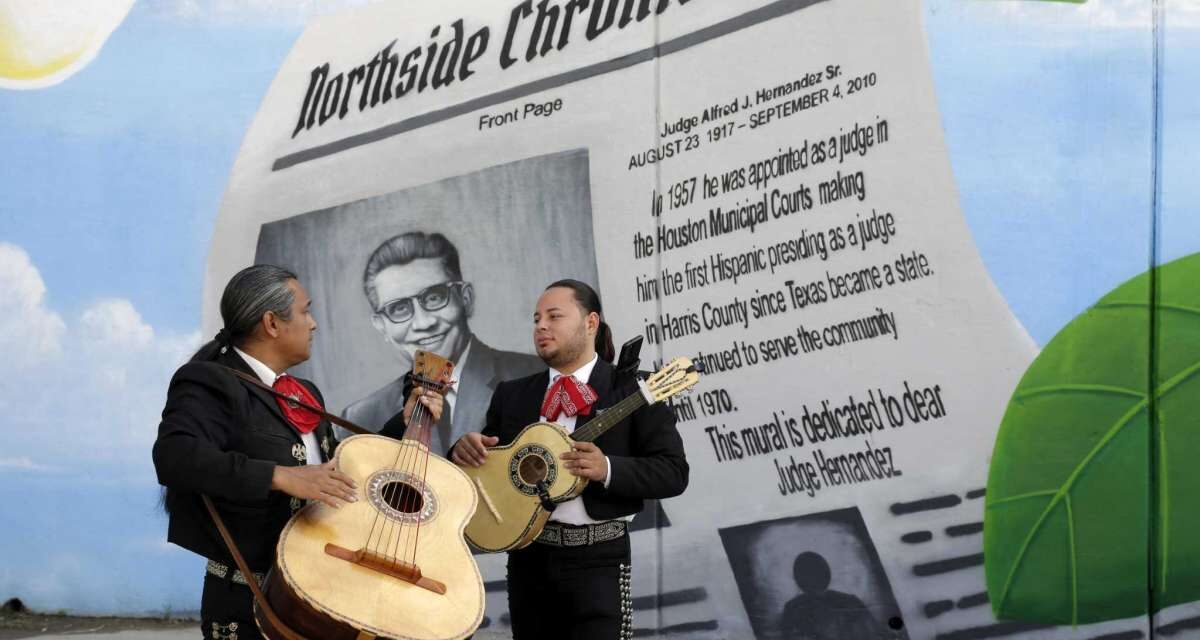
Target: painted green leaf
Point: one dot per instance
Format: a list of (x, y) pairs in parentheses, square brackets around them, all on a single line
[(1087, 500)]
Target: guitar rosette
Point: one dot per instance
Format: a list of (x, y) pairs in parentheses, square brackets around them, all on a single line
[(530, 465)]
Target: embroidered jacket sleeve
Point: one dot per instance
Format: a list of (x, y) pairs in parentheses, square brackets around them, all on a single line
[(195, 449), (656, 466)]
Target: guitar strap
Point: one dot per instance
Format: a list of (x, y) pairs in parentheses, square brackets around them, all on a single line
[(259, 596), (543, 492), (238, 559), (341, 422)]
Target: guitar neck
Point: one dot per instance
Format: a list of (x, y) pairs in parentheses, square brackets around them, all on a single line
[(609, 418), (421, 428), (432, 373)]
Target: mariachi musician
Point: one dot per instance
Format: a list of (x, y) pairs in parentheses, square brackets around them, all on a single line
[(256, 455), (573, 581)]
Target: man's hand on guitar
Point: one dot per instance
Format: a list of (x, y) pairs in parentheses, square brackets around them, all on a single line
[(471, 449), (315, 482), (586, 460), (430, 399)]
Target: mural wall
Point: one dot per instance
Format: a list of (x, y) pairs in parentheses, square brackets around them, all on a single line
[(937, 260)]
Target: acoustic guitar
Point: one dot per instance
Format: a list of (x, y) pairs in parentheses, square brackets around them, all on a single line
[(520, 482), (394, 563)]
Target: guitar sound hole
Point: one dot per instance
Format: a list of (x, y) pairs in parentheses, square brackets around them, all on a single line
[(403, 497), (532, 470)]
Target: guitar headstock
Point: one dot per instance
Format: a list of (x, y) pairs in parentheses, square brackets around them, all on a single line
[(431, 370), (675, 377)]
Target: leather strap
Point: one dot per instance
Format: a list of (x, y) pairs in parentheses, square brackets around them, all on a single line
[(341, 422), (543, 492), (259, 596), (255, 588)]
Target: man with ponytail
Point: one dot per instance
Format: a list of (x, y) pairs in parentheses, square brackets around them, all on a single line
[(574, 580), (258, 457)]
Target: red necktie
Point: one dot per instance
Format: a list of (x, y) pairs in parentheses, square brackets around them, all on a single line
[(569, 397), (302, 419)]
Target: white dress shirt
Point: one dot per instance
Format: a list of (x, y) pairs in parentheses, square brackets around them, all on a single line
[(452, 392), (572, 511), (312, 450)]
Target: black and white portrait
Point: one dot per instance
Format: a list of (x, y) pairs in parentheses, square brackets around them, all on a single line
[(453, 267), (814, 577)]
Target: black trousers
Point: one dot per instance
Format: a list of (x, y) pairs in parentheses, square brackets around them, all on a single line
[(226, 610), (571, 593)]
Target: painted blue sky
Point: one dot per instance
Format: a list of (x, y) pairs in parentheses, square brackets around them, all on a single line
[(113, 179)]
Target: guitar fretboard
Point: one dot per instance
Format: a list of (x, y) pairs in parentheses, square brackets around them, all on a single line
[(609, 418)]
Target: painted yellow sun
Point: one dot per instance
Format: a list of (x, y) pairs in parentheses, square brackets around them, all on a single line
[(43, 42)]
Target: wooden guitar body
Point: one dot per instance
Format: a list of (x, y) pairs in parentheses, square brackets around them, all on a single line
[(517, 477), (357, 572), (510, 514)]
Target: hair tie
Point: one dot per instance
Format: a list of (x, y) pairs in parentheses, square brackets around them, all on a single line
[(223, 338)]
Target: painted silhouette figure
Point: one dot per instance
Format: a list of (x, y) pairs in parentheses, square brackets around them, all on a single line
[(820, 613)]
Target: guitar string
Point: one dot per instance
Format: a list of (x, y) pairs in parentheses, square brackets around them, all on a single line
[(422, 460), (395, 525), (385, 533), (386, 496), (421, 513), (388, 493), (417, 506), (418, 421), (440, 387), (595, 428), (412, 499), (415, 497)]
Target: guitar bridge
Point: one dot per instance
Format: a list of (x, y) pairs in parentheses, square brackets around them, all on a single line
[(399, 569)]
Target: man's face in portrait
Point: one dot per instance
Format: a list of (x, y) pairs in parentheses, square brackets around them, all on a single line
[(421, 307)]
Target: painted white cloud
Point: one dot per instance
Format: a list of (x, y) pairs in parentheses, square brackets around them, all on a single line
[(24, 463), (29, 331), (84, 392), (115, 324), (1093, 14), (79, 423), (255, 11)]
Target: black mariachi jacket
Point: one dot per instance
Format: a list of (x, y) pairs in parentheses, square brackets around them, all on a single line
[(223, 437), (644, 450)]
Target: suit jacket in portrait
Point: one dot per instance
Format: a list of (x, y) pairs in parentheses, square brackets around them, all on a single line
[(486, 367), (644, 450), (223, 437)]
